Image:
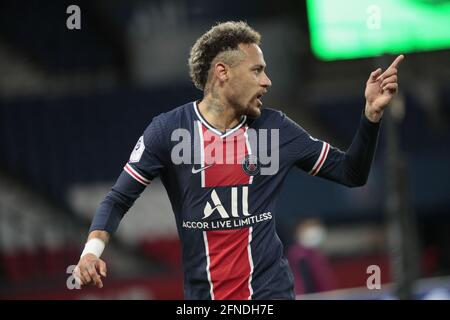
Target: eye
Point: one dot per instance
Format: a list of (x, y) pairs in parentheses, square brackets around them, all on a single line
[(258, 70)]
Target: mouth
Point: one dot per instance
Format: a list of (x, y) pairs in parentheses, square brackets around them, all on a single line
[(258, 99)]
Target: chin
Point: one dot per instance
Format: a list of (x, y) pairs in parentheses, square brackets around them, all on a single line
[(254, 111)]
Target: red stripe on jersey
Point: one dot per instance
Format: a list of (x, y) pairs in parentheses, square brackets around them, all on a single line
[(322, 159), (231, 151), (230, 266), (129, 169)]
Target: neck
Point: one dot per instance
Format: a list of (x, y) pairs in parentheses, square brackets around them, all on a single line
[(218, 113)]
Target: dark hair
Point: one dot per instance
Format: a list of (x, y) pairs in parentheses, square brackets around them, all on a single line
[(223, 37)]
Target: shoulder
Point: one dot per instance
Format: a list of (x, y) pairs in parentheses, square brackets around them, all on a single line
[(276, 119), (175, 114), (160, 128), (167, 121), (271, 118), (272, 113)]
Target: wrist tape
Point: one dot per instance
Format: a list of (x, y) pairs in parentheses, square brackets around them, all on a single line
[(94, 246)]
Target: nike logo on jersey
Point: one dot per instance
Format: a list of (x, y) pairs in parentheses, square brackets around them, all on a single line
[(194, 171)]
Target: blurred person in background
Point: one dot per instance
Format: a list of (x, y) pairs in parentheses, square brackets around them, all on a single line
[(310, 266), (225, 212)]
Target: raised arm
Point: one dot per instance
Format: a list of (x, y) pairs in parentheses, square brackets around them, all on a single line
[(380, 89), (352, 167)]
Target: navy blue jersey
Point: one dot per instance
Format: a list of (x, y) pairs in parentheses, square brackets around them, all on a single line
[(223, 190)]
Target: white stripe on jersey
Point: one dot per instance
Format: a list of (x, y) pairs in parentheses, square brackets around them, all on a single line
[(135, 175), (205, 238), (202, 152), (321, 160), (250, 259)]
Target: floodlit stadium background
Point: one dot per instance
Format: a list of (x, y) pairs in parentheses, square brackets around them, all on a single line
[(74, 102)]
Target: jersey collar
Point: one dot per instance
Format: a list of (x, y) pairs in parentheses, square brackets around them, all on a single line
[(216, 131)]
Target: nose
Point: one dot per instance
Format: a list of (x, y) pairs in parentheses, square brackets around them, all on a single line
[(265, 81)]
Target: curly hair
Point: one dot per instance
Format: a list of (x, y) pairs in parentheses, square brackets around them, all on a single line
[(219, 42)]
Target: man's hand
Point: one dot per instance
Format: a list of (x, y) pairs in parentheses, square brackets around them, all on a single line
[(89, 269), (380, 89)]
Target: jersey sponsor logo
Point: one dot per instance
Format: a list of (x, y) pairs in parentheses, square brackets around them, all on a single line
[(138, 150), (217, 206), (194, 171), (231, 223)]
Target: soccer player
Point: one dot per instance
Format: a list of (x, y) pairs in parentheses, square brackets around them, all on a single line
[(223, 160)]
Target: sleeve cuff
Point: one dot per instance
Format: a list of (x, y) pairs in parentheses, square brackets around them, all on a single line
[(366, 123)]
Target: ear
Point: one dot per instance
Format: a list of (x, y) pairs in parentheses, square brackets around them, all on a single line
[(221, 71)]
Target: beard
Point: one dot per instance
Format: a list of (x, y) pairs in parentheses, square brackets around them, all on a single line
[(254, 108), (250, 107)]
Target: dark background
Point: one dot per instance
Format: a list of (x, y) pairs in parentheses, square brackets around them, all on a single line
[(74, 102)]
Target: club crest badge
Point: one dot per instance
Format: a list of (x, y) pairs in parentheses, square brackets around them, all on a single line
[(251, 165)]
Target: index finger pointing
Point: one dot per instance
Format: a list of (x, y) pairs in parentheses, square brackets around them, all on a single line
[(101, 266), (397, 61)]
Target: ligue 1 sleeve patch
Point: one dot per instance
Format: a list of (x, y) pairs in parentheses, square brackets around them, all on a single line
[(138, 150)]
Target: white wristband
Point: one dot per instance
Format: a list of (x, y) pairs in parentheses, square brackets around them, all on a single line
[(94, 246)]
